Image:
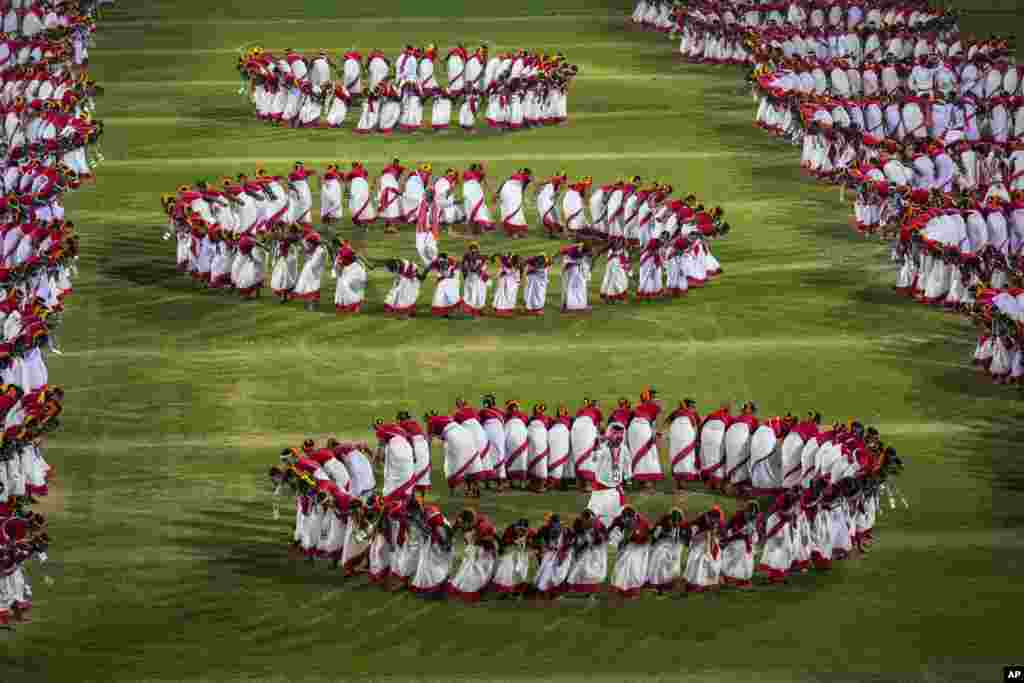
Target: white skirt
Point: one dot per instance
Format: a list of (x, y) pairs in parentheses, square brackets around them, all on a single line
[(616, 281), (506, 294), (536, 292), (434, 567), (337, 112), (517, 444), (630, 574), (589, 570), (405, 560), (648, 467), (355, 546), (495, 431), (330, 201), (474, 292), (402, 296), (538, 450), (663, 566), (446, 296), (380, 558), (559, 455), (474, 574), (737, 562), (512, 570), (351, 287), (703, 570)]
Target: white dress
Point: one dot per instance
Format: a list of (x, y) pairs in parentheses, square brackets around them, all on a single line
[(360, 204), (507, 292), (399, 468), (644, 447), (446, 295), (590, 565), (560, 453), (630, 574), (308, 286), (285, 275), (575, 283), (511, 199), (573, 208), (536, 291), (350, 288), (712, 435), (475, 572), (330, 200), (738, 557), (537, 458), (682, 449), (404, 292), (389, 198), (460, 454), (517, 444), (777, 555), (548, 211), (476, 209), (704, 562), (663, 565)]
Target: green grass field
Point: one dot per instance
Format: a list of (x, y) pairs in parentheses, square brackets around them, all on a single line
[(167, 563)]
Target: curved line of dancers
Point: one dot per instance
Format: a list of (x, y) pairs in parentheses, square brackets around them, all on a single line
[(49, 148), (522, 89), (229, 237), (822, 509), (924, 125)]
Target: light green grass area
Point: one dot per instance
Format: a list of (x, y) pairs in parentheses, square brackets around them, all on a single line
[(168, 565)]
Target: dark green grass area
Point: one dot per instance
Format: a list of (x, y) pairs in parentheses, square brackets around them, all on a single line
[(167, 563)]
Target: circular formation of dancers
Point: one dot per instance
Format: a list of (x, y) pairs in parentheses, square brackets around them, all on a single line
[(824, 488), (231, 237), (924, 127), (49, 148), (509, 90)]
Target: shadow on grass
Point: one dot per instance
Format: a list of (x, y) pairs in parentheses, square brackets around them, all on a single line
[(879, 296)]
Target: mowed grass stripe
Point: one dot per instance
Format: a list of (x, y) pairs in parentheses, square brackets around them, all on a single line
[(394, 47), (230, 162), (136, 121), (679, 345), (593, 75), (569, 16)]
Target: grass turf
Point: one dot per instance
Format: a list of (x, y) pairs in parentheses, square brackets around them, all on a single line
[(167, 563)]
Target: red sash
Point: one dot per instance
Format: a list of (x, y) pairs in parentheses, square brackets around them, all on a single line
[(460, 474), (585, 456), (685, 451), (778, 527), (516, 453), (728, 475), (404, 490), (476, 209), (388, 197), (559, 462), (791, 471), (357, 216), (643, 450), (543, 454)]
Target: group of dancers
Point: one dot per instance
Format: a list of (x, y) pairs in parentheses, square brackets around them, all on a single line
[(924, 127), (819, 513), (509, 90), (503, 448), (48, 143), (231, 237)]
